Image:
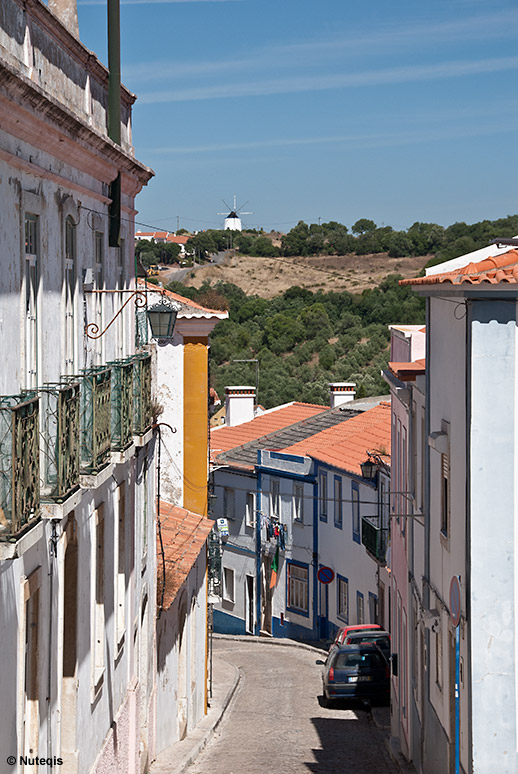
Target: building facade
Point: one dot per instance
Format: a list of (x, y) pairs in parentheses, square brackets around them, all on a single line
[(77, 449)]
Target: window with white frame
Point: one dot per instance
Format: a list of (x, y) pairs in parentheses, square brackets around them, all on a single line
[(99, 285), (70, 294), (438, 658), (322, 496), (228, 584), (298, 502), (275, 499), (31, 299), (250, 509), (338, 505), (121, 281), (343, 598), (355, 507), (298, 587), (360, 609), (120, 563), (229, 503), (98, 603)]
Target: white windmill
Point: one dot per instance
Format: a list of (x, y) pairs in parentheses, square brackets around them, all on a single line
[(233, 220)]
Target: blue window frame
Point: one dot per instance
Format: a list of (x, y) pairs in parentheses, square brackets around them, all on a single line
[(342, 598), (322, 495), (297, 587), (355, 505), (338, 501)]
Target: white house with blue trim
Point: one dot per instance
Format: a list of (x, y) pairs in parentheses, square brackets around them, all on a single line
[(302, 514)]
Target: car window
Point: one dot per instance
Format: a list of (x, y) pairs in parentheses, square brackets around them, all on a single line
[(382, 642), (351, 660)]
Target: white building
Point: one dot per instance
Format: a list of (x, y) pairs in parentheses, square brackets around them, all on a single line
[(276, 491), (470, 562), (77, 482)]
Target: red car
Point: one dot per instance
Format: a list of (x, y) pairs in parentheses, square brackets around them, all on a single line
[(345, 630)]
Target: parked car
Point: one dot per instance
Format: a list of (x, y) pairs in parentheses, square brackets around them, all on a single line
[(376, 637), (355, 672), (344, 631)]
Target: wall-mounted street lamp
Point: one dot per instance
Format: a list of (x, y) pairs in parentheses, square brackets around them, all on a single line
[(372, 465), (161, 316)]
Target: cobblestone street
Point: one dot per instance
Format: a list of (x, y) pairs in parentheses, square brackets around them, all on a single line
[(276, 722)]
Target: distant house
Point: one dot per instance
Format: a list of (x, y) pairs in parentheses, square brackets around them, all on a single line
[(295, 500), (164, 237)]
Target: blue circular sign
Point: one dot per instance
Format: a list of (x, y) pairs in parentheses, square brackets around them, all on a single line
[(325, 575)]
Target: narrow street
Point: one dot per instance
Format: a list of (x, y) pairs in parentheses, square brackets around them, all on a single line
[(276, 721)]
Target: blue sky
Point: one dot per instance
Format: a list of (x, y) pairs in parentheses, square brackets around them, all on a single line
[(306, 109)]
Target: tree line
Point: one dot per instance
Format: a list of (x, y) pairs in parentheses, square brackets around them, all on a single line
[(364, 238), (303, 340)]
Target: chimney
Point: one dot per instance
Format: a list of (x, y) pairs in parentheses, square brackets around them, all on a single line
[(66, 11), (341, 392), (239, 405)]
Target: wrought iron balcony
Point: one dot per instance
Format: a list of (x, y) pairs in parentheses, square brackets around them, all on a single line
[(60, 441), (121, 404), (142, 407), (19, 463), (95, 418), (373, 538)]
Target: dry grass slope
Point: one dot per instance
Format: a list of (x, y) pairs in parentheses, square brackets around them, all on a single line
[(269, 277)]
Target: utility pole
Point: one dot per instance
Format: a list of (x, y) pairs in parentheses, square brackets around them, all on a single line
[(177, 223)]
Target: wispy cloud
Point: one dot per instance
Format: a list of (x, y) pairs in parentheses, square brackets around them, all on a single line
[(361, 140), (389, 76), (310, 53)]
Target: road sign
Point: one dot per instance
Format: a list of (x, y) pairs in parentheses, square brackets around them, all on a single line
[(325, 575), (455, 600)]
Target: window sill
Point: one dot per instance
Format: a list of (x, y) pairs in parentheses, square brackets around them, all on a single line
[(445, 540)]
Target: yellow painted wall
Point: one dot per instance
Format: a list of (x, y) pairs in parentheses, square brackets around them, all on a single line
[(195, 392)]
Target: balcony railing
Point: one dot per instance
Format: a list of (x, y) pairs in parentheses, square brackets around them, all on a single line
[(95, 419), (60, 441), (121, 404), (19, 463), (142, 407), (373, 538)]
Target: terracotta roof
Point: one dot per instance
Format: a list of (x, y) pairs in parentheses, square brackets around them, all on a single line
[(184, 535), (186, 302), (153, 234), (224, 438), (492, 271), (407, 372), (344, 446), (178, 240)]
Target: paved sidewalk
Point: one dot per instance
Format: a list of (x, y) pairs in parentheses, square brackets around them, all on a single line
[(226, 678), (176, 759)]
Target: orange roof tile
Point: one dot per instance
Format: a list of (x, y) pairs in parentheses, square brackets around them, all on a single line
[(497, 269), (178, 240), (407, 372), (184, 535), (224, 438), (345, 445)]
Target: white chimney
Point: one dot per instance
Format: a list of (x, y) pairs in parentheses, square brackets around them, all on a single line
[(341, 392), (239, 405)]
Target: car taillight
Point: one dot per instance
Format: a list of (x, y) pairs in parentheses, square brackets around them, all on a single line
[(331, 675)]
